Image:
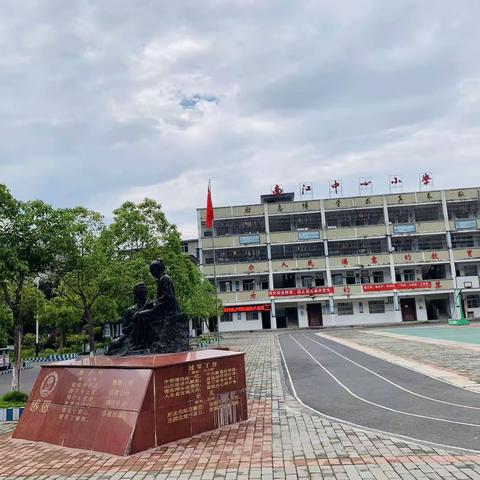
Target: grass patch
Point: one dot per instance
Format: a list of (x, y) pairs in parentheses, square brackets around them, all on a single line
[(13, 399), (11, 404)]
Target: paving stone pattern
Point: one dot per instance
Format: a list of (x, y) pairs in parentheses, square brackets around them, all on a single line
[(281, 440), (458, 359)]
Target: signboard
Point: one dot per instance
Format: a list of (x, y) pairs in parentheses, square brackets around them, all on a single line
[(408, 228), (247, 239), (248, 308), (382, 287), (308, 235), (301, 292), (466, 224)]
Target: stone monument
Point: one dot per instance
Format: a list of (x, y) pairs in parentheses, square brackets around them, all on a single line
[(148, 390)]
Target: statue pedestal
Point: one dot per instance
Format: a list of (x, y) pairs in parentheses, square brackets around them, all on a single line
[(123, 405)]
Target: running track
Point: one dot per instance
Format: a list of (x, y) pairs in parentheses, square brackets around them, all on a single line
[(354, 387)]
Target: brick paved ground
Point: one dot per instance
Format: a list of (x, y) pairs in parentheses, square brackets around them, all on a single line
[(280, 441), (461, 360)]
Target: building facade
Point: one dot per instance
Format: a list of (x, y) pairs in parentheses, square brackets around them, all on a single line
[(344, 261)]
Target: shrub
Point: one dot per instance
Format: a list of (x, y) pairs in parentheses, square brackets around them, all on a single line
[(15, 397)]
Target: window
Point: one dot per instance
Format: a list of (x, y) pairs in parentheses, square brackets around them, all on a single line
[(300, 250), (465, 240), (184, 247), (249, 284), (280, 223), (428, 213), (365, 276), (473, 301), (350, 277), (463, 210), (307, 281), (337, 279), (226, 317), (262, 284), (378, 276), (357, 247), (345, 308), (432, 242), (225, 286), (409, 275), (236, 255), (470, 270), (239, 226), (355, 218), (319, 280), (376, 306), (252, 315)]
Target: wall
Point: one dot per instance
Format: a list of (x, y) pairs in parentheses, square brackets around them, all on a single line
[(364, 318), (243, 324)]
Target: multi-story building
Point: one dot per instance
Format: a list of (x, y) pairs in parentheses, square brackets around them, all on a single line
[(344, 261)]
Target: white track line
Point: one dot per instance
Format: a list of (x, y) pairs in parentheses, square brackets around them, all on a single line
[(390, 381), (363, 428), (401, 412)]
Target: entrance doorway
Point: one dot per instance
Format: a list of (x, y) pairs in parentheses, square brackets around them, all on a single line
[(409, 309), (314, 313), (438, 309), (291, 317), (266, 320)]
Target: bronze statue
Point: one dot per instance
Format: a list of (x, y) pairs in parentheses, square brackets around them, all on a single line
[(156, 326)]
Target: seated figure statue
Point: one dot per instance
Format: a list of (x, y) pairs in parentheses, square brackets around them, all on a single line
[(156, 326), (134, 332), (168, 326)]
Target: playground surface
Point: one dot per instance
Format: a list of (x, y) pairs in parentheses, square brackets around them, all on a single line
[(463, 334)]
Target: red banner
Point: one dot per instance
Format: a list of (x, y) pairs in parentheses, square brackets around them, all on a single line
[(382, 287), (248, 308), (300, 292)]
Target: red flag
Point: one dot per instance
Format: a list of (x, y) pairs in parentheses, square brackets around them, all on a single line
[(210, 215)]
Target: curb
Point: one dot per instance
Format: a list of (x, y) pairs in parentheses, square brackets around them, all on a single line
[(6, 372), (11, 414), (52, 358)]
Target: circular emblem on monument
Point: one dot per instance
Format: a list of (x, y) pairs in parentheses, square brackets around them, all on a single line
[(49, 383)]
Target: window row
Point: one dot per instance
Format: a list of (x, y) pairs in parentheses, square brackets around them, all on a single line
[(346, 218), (369, 246)]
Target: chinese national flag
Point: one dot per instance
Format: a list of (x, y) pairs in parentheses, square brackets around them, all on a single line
[(210, 215)]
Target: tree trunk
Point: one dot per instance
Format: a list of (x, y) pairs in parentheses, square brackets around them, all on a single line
[(17, 350), (91, 336)]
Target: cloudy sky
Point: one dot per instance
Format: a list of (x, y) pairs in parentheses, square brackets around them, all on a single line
[(104, 101)]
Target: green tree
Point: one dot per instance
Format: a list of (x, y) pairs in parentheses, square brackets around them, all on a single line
[(61, 316), (90, 270), (30, 239), (140, 233)]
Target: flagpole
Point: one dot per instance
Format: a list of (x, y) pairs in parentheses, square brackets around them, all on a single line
[(217, 325)]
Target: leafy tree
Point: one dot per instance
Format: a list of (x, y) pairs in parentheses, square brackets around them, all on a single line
[(140, 233), (61, 316), (30, 239), (89, 271)]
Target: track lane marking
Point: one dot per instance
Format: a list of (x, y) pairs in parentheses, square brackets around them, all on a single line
[(401, 412), (390, 381), (363, 428)]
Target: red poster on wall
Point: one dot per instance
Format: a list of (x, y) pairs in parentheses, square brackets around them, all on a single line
[(301, 292), (248, 308), (382, 287)]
